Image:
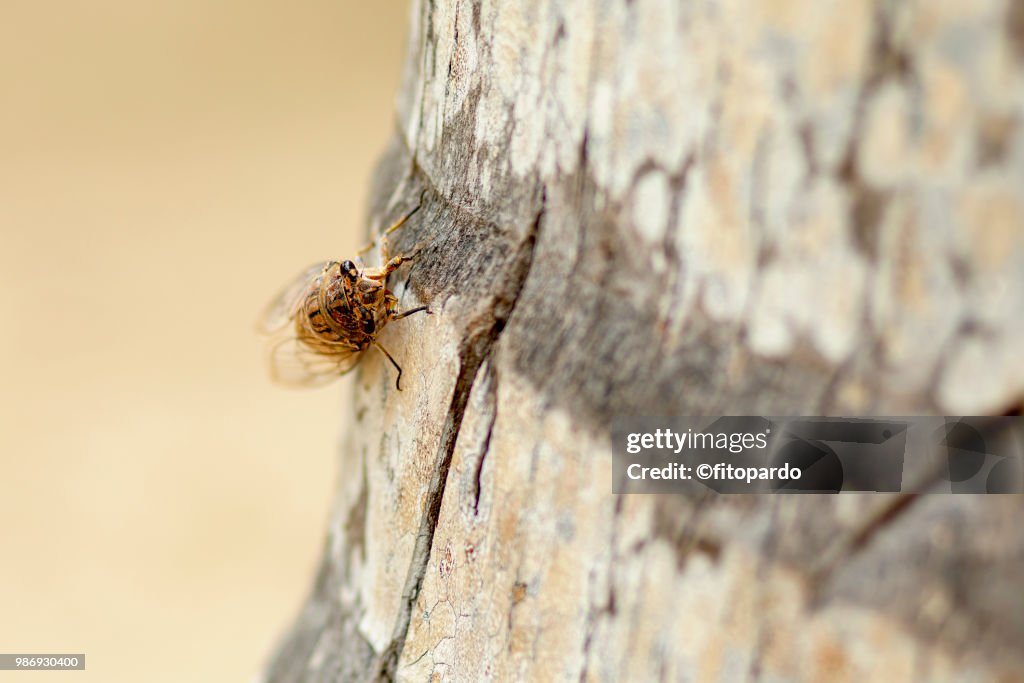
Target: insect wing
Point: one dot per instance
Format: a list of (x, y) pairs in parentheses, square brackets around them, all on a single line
[(280, 311), (295, 363)]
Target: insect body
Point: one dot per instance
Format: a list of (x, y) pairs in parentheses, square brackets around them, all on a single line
[(324, 320)]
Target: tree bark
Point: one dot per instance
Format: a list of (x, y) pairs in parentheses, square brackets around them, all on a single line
[(681, 208)]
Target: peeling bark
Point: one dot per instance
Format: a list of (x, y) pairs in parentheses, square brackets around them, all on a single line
[(682, 208)]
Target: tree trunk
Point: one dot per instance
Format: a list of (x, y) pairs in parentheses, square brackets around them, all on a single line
[(681, 208)]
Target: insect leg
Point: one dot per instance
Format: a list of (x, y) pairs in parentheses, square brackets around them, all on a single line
[(401, 221), (405, 314), (398, 380), (392, 265)]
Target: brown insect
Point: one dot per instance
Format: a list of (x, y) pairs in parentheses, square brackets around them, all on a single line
[(328, 316)]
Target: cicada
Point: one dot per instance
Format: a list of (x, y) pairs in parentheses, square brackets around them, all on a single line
[(322, 322)]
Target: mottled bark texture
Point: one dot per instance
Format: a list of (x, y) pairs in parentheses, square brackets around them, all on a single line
[(685, 207)]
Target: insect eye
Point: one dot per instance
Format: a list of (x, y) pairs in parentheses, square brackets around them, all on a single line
[(349, 268)]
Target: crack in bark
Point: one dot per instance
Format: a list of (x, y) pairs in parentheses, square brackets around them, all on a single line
[(492, 403), (475, 350), (609, 608)]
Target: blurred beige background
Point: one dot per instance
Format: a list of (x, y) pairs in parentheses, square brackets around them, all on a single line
[(165, 167)]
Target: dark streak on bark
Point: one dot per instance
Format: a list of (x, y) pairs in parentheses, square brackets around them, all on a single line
[(875, 524)]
